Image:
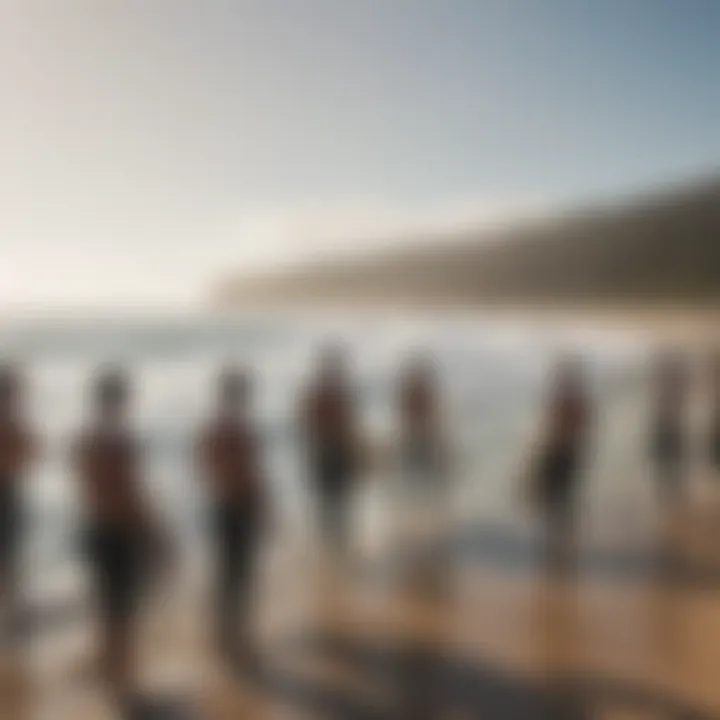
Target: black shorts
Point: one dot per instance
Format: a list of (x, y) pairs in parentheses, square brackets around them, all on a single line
[(558, 479), (333, 469), (10, 525), (116, 556), (235, 528)]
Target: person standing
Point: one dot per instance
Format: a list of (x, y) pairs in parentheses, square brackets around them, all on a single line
[(563, 453), (328, 423), (423, 471), (120, 534), (17, 449), (423, 447), (714, 395), (668, 442), (231, 468)]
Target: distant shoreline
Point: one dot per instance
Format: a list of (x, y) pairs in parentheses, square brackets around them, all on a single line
[(650, 262), (681, 322), (699, 323)]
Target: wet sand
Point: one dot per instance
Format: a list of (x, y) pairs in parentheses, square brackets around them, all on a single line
[(488, 633)]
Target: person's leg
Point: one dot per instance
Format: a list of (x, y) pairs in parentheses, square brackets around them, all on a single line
[(670, 460), (561, 510), (6, 592), (117, 660), (221, 563), (246, 564), (327, 481), (226, 602), (567, 521), (339, 498), (117, 578)]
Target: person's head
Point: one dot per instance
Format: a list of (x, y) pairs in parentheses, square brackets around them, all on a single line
[(111, 392), (234, 390), (9, 388)]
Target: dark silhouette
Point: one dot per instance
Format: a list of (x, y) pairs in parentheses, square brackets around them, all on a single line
[(669, 443), (424, 465), (714, 395), (424, 453), (17, 447), (230, 464), (331, 442), (121, 535), (563, 452), (414, 681)]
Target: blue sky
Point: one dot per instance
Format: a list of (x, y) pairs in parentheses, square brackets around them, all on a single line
[(148, 147)]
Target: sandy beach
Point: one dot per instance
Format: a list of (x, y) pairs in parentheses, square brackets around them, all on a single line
[(632, 635), (628, 638)]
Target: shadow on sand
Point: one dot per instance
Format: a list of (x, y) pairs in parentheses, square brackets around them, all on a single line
[(404, 682)]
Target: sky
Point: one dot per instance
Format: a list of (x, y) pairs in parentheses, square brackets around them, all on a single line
[(149, 147)]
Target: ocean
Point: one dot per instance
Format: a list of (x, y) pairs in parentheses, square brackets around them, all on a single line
[(492, 372)]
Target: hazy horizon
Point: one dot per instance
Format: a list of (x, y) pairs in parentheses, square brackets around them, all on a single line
[(150, 148)]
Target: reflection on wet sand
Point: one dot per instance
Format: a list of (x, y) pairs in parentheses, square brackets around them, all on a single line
[(525, 644)]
